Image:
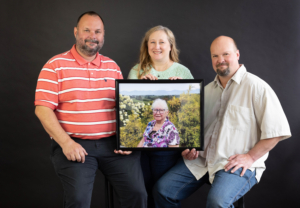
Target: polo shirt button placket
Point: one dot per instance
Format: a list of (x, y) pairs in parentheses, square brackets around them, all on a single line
[(90, 74), (89, 65)]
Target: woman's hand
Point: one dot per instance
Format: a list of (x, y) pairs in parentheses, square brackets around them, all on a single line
[(174, 78), (150, 77)]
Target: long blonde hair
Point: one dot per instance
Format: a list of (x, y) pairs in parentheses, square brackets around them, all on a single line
[(145, 59)]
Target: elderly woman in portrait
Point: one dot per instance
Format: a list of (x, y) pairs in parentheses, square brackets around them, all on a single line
[(160, 132), (158, 60)]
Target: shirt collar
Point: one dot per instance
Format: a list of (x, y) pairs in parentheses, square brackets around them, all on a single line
[(216, 81), (239, 74), (237, 77), (81, 61)]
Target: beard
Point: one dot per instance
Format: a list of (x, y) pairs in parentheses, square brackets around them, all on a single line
[(225, 72), (85, 49)]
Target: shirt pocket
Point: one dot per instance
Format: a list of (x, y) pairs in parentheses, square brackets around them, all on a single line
[(238, 118)]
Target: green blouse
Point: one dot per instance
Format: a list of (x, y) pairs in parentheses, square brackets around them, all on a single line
[(176, 70)]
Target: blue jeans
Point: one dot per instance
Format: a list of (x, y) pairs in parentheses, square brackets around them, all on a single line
[(179, 183), (154, 165)]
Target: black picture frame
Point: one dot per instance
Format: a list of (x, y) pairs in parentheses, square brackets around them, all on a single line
[(185, 99)]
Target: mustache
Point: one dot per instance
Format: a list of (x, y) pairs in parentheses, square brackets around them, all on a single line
[(222, 64), (91, 40)]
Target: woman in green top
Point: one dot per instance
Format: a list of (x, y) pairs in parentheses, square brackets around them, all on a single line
[(159, 57), (158, 60)]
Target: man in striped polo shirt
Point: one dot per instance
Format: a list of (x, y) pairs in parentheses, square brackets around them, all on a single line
[(75, 102)]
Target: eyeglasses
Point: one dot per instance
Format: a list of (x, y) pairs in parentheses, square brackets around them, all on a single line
[(158, 110)]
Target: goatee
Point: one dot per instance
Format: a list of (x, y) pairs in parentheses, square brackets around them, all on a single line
[(224, 72), (85, 49)]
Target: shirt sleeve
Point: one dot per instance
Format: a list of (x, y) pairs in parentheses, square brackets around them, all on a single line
[(269, 114), (173, 137), (187, 75), (46, 93), (133, 74), (120, 75), (184, 72), (146, 133)]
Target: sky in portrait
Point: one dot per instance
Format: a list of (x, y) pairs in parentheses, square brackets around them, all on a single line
[(155, 87)]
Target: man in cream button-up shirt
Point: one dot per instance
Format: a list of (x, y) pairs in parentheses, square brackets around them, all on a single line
[(243, 122)]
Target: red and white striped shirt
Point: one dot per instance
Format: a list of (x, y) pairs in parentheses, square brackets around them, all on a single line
[(81, 93)]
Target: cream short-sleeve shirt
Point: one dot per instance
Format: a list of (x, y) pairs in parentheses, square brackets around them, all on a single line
[(236, 118)]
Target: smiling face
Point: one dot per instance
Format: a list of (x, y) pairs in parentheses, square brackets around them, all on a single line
[(159, 46), (159, 113), (89, 35), (225, 56)]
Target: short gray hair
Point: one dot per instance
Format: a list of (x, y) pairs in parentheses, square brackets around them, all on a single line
[(161, 102)]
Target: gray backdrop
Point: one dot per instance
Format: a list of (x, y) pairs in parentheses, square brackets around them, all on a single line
[(33, 31)]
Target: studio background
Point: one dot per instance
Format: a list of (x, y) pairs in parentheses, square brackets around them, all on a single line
[(267, 34)]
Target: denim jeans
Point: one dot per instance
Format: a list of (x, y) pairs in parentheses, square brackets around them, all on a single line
[(154, 165), (179, 183), (122, 171)]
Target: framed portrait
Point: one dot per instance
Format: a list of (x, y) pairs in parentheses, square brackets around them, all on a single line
[(160, 115)]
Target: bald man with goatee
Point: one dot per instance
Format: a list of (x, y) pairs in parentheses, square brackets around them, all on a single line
[(243, 122)]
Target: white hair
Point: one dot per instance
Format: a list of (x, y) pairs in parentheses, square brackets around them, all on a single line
[(160, 102)]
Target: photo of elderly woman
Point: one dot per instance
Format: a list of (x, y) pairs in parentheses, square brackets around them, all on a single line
[(160, 132), (159, 115)]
